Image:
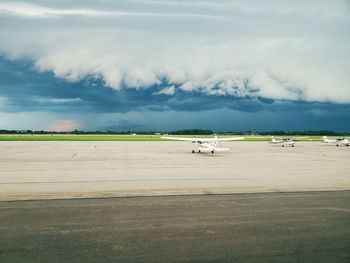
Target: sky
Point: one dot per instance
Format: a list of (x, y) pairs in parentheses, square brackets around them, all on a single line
[(168, 64)]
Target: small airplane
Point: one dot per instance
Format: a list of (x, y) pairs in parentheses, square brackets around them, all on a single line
[(337, 142), (283, 142), (205, 145), (326, 140)]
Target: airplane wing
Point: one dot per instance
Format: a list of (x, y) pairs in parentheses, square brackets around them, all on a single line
[(228, 139), (202, 139), (181, 138)]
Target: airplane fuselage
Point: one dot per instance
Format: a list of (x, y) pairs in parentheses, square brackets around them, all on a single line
[(284, 142), (207, 147), (337, 142), (344, 142)]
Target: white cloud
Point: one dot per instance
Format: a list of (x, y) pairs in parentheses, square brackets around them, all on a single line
[(26, 9), (166, 91), (31, 10), (56, 100), (294, 50)]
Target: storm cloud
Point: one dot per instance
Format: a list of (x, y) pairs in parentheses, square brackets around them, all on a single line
[(169, 57), (287, 50)]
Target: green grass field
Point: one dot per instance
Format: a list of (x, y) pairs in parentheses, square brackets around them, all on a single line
[(107, 137), (78, 137)]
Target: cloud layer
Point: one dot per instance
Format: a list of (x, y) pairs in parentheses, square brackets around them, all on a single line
[(171, 64), (280, 51)]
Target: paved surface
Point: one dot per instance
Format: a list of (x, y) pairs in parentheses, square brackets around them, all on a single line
[(32, 170), (271, 227)]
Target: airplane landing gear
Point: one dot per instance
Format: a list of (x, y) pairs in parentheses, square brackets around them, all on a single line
[(192, 151), (212, 151)]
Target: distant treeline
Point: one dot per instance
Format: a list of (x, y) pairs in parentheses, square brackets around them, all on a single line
[(186, 132)]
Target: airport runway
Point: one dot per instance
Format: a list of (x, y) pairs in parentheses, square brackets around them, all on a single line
[(40, 170), (270, 227)]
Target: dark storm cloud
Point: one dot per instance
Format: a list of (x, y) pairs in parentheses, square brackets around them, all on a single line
[(122, 125), (27, 90), (295, 50), (214, 64)]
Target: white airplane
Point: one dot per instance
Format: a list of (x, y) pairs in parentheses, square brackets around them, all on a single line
[(283, 142), (337, 142), (205, 145), (326, 140)]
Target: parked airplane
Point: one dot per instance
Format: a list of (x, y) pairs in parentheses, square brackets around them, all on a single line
[(283, 142), (337, 142), (205, 145), (326, 140)]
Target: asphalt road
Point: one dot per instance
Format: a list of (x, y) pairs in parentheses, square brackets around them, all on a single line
[(271, 227)]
